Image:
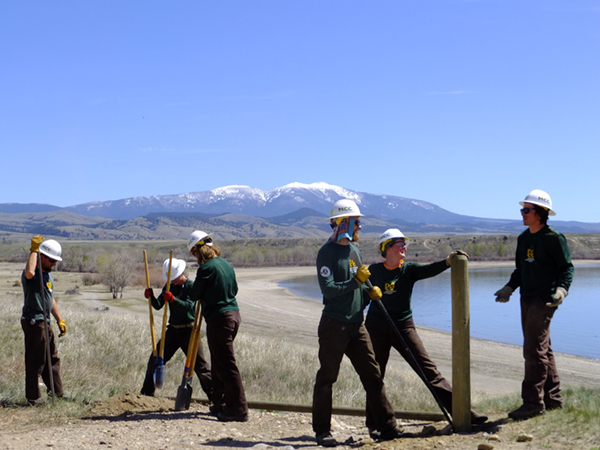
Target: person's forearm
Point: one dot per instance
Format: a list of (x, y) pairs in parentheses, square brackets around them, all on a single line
[(31, 265)]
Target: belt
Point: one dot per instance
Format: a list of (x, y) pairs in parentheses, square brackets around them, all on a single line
[(188, 325)]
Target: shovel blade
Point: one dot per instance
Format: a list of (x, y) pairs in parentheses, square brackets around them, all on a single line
[(184, 395), (159, 375)]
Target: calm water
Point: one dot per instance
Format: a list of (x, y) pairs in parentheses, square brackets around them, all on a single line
[(574, 327)]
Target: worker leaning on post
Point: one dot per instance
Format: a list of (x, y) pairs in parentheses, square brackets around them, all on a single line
[(341, 329), (396, 279), (544, 273), (179, 330), (32, 320)]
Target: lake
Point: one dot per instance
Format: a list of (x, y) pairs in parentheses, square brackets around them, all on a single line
[(574, 328)]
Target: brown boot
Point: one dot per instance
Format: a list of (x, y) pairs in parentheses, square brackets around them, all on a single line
[(477, 419), (525, 412)]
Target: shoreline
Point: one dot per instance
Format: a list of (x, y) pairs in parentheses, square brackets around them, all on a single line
[(496, 368)]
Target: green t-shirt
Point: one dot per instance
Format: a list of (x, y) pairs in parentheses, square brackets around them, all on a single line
[(32, 308), (397, 286), (543, 263), (216, 286), (183, 308), (343, 297)]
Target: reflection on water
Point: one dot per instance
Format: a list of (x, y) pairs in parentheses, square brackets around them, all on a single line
[(574, 326)]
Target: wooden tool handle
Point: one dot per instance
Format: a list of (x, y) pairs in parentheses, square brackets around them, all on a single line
[(152, 333)]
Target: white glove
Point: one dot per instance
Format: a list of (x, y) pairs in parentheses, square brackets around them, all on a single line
[(558, 297), (453, 254), (503, 295)]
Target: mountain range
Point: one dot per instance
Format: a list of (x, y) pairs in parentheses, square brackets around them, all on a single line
[(231, 212)]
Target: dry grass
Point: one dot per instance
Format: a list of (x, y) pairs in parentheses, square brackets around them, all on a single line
[(105, 353)]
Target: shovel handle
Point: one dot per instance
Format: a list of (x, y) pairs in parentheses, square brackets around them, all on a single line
[(187, 370), (196, 344), (152, 332), (165, 315)]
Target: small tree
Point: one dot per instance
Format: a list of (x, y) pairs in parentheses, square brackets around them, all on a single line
[(115, 270)]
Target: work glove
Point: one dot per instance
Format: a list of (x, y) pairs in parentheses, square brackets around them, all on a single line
[(503, 295), (63, 328), (375, 293), (453, 254), (168, 297), (149, 293), (35, 243), (362, 274), (558, 297)]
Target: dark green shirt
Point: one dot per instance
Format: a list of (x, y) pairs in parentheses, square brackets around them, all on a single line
[(343, 297), (183, 308), (543, 263), (397, 286), (32, 308), (216, 286)]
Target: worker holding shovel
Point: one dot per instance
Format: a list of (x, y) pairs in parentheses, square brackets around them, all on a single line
[(179, 330), (216, 287), (41, 352), (396, 279)]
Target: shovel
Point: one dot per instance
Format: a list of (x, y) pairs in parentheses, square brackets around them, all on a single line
[(152, 333), (184, 392), (159, 371)]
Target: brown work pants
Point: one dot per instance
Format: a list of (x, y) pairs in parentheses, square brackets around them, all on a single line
[(175, 339), (337, 339), (384, 338), (36, 361), (228, 390), (541, 384)]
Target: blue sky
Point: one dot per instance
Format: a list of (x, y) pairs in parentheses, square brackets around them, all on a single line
[(466, 104)]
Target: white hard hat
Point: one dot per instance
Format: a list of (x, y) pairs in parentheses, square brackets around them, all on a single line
[(197, 237), (51, 249), (540, 198), (177, 268), (344, 208), (389, 235)]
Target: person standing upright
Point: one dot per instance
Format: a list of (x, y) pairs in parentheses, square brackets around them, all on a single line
[(216, 287), (544, 273), (342, 331), (32, 320)]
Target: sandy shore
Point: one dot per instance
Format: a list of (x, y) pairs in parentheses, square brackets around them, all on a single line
[(496, 368)]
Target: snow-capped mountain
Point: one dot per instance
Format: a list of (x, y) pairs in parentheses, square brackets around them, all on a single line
[(270, 203)]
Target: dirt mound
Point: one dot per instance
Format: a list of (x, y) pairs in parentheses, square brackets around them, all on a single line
[(129, 403)]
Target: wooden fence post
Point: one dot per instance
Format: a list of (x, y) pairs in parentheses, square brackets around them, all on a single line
[(461, 348)]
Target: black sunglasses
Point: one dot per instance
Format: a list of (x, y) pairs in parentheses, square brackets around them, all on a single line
[(527, 210)]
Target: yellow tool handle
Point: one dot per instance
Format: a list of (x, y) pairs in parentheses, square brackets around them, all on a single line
[(152, 333), (164, 324)]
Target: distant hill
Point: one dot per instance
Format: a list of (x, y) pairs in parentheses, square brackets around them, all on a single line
[(240, 212)]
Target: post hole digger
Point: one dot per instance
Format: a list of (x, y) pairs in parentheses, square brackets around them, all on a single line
[(184, 391)]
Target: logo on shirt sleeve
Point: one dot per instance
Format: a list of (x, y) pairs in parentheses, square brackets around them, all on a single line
[(325, 272)]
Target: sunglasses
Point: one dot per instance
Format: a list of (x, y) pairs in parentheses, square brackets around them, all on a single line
[(50, 260), (402, 243), (527, 210)]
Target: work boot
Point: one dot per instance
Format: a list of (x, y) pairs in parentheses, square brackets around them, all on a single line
[(477, 419), (525, 412), (392, 433), (553, 404), (325, 439), (36, 402), (229, 417)]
